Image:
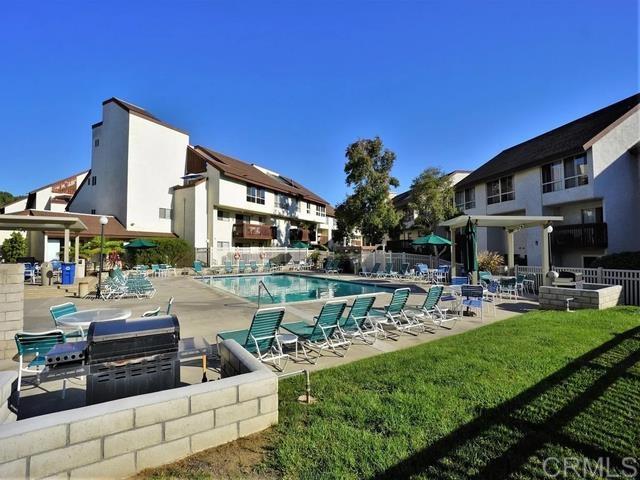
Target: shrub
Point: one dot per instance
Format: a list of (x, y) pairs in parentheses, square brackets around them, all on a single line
[(14, 247), (621, 261), (173, 251), (490, 262)]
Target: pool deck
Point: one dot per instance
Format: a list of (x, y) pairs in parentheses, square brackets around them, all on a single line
[(204, 311)]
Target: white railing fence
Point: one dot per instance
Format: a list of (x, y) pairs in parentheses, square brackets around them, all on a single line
[(629, 279), (278, 255), (369, 259)]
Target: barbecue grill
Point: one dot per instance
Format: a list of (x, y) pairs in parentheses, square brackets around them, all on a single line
[(132, 357), (568, 279)]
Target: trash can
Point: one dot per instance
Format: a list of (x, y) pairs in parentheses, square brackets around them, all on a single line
[(68, 273)]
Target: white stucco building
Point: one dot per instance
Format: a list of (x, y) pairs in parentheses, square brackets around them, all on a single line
[(146, 174), (587, 171)]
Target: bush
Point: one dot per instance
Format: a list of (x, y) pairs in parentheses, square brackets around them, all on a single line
[(14, 247), (490, 262), (173, 251), (620, 261)]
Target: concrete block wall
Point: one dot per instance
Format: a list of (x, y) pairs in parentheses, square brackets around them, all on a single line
[(593, 295), (11, 307), (8, 383), (119, 438)]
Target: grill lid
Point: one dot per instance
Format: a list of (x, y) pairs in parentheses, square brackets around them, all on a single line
[(139, 327)]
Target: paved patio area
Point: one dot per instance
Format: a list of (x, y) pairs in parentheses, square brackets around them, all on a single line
[(203, 311)]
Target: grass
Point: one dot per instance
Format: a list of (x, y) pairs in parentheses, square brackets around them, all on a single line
[(489, 403)]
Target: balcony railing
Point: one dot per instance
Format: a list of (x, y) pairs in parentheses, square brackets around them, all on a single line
[(252, 231), (584, 235), (301, 235)]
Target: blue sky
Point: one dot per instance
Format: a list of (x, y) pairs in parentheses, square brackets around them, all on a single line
[(289, 84)]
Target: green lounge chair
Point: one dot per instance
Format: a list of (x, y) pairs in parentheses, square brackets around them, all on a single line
[(169, 305), (37, 344), (254, 266), (373, 272), (242, 267), (393, 315), (228, 267), (261, 338), (324, 333), (357, 323), (58, 311), (197, 267), (430, 309)]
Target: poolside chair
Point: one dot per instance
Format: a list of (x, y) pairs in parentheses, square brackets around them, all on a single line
[(393, 315), (430, 309), (324, 333), (242, 267), (491, 294), (529, 283), (261, 338), (152, 313), (169, 305), (58, 311), (485, 276), (197, 267), (228, 267), (404, 271), (388, 271), (520, 283), (357, 322), (373, 272), (459, 280), (37, 344), (254, 266), (472, 297), (508, 287), (155, 270), (423, 273)]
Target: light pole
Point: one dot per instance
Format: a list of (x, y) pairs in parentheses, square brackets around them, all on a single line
[(103, 221)]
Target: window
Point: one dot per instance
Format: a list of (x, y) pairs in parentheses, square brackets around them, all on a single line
[(466, 199), (321, 211), (240, 218), (568, 173), (283, 201), (308, 208), (261, 219), (223, 217), (96, 142), (93, 180), (592, 215), (500, 190), (165, 213), (255, 194), (223, 244), (93, 211)]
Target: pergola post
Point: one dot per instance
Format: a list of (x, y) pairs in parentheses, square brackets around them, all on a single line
[(510, 251), (67, 240), (453, 253), (544, 244), (76, 257)]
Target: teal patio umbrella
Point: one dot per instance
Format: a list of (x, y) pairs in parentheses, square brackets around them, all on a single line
[(140, 244), (435, 241), (300, 244), (470, 247)]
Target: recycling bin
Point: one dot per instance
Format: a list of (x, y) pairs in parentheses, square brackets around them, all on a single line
[(68, 273)]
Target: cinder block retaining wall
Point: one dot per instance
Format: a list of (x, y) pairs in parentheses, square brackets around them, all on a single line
[(7, 386), (593, 295), (11, 307), (119, 438)]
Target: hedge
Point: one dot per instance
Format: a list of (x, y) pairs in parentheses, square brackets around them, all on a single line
[(172, 251), (621, 261)]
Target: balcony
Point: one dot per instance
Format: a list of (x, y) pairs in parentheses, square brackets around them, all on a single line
[(584, 235), (250, 231)]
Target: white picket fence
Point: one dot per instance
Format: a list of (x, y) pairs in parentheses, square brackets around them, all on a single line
[(280, 255), (369, 259), (629, 279)]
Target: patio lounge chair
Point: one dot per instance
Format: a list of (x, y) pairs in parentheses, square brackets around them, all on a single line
[(228, 267), (169, 305), (508, 287), (197, 267), (324, 333), (459, 280), (261, 338), (58, 311), (242, 267), (254, 266), (430, 309), (373, 272), (393, 315), (388, 271), (357, 322), (37, 344), (152, 313), (404, 271)]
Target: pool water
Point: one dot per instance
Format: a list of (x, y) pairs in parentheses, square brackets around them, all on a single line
[(288, 288)]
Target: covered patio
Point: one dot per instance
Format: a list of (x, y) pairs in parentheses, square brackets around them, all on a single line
[(511, 224)]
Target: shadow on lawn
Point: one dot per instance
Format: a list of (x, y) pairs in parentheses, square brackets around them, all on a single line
[(559, 414)]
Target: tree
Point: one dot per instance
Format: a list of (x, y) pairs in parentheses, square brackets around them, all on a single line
[(7, 197), (14, 247), (431, 198), (369, 207)]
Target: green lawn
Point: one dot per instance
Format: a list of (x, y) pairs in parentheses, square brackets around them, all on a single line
[(490, 403)]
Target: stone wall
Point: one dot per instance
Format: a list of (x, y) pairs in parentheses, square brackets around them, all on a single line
[(119, 438), (11, 307), (8, 382), (593, 295)]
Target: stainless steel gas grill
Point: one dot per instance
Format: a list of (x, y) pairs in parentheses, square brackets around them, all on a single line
[(132, 357), (568, 279)]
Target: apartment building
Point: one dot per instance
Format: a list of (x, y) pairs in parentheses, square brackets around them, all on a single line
[(146, 174), (587, 171)]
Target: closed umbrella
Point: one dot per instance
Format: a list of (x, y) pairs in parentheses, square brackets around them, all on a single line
[(470, 255)]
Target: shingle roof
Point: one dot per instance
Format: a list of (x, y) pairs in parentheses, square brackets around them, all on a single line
[(140, 112), (402, 199), (570, 139), (246, 172)]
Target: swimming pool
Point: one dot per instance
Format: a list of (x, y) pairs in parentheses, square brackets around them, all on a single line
[(288, 288)]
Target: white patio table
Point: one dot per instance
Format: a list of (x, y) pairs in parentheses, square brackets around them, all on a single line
[(81, 319)]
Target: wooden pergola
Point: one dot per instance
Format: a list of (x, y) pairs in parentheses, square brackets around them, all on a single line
[(41, 224), (510, 223)]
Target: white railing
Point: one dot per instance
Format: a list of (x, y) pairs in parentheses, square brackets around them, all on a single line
[(278, 255), (629, 279), (369, 259)]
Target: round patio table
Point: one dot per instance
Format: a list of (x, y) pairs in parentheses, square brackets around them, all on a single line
[(83, 318)]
